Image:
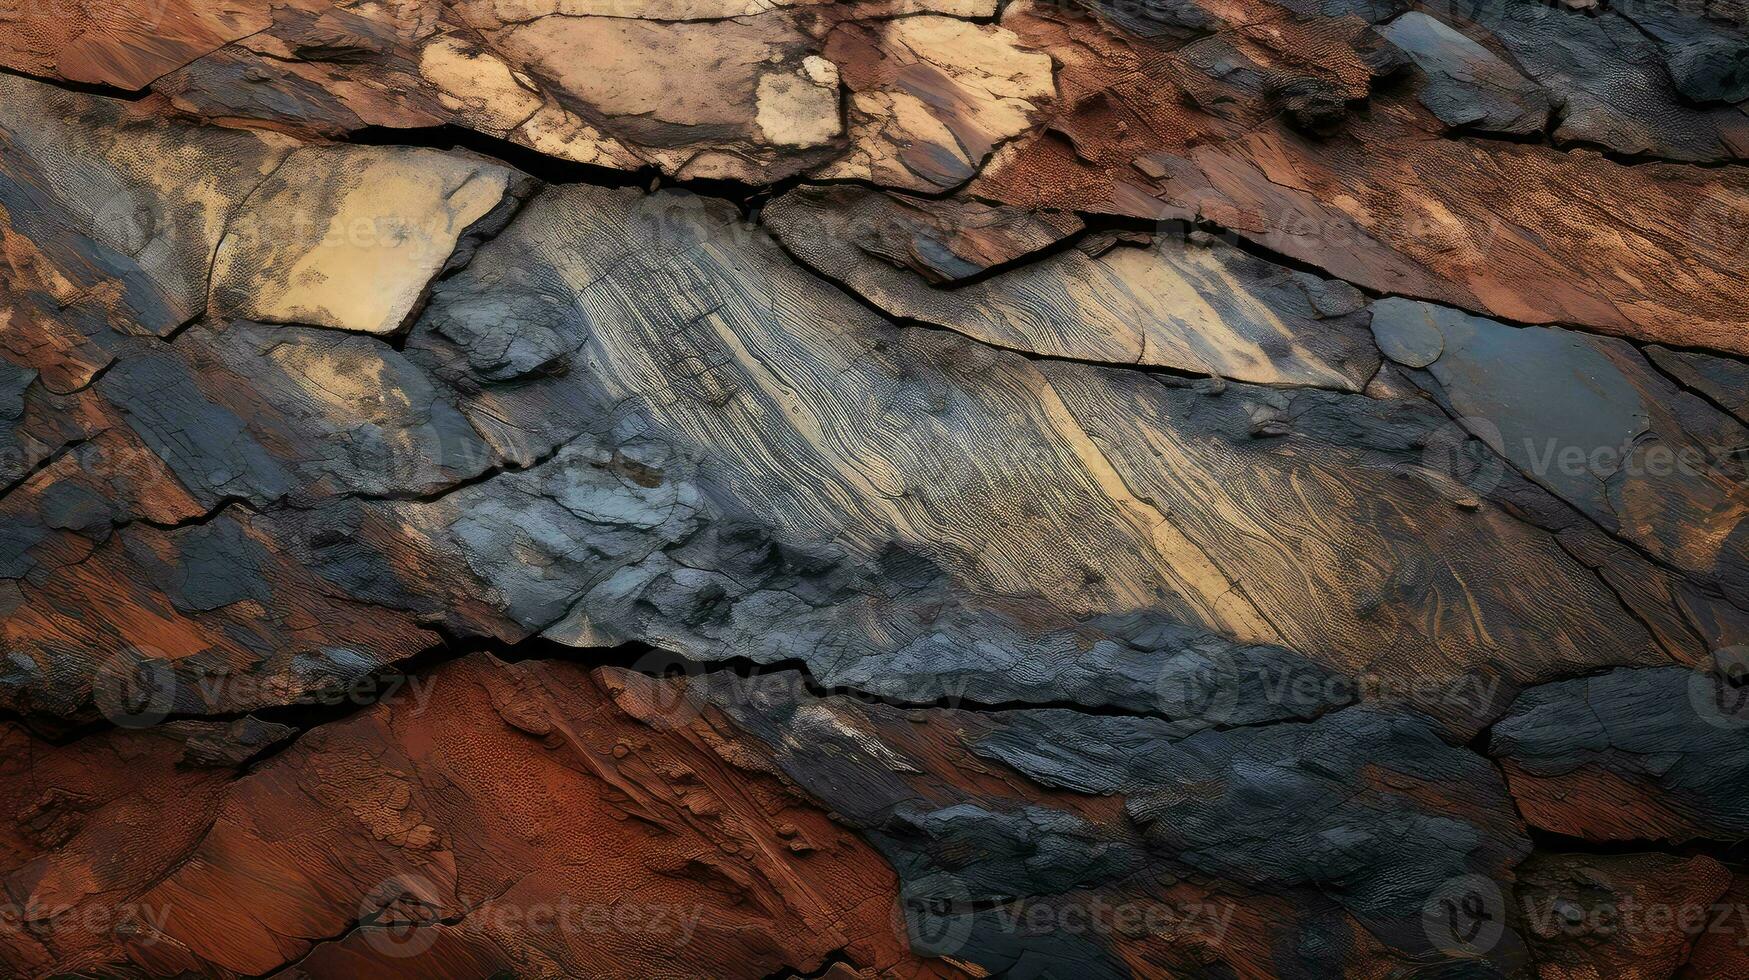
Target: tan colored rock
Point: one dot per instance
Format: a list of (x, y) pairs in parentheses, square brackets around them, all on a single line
[(933, 98), (1260, 675), (489, 95), (349, 237), (800, 108), (1205, 308), (727, 99), (1120, 493), (147, 197)]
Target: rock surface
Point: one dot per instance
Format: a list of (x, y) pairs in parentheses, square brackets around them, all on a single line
[(896, 488)]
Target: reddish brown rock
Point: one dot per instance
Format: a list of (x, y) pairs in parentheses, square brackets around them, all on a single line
[(505, 817), (86, 828), (1633, 916), (1632, 754), (1526, 233), (1722, 948)]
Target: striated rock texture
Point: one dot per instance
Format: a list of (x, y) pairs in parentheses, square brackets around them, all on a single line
[(1216, 489)]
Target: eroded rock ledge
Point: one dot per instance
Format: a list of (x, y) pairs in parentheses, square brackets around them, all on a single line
[(925, 488)]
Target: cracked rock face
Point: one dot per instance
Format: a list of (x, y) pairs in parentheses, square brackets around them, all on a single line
[(897, 488), (349, 238)]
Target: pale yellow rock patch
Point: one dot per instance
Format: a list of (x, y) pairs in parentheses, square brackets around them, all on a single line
[(494, 98), (350, 237), (800, 108), (478, 84)]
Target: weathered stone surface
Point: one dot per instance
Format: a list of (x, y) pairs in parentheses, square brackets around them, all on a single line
[(1525, 233), (932, 97), (725, 99), (442, 826), (1631, 755), (1645, 460), (1466, 85), (968, 897), (125, 45), (1200, 308), (1720, 380), (1170, 489), (1719, 950), (1613, 84), (87, 826), (350, 238), (1114, 527), (946, 242), (1289, 807), (112, 210), (1628, 915), (1704, 48)]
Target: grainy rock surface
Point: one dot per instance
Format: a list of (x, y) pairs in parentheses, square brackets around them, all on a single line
[(890, 488)]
